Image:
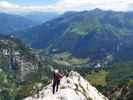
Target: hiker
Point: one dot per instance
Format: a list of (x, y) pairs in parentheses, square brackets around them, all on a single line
[(56, 80)]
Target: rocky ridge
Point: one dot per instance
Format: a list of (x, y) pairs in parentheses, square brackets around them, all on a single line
[(73, 87)]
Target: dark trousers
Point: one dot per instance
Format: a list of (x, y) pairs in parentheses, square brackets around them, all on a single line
[(56, 85)]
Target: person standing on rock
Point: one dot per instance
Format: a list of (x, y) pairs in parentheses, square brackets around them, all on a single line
[(57, 76)]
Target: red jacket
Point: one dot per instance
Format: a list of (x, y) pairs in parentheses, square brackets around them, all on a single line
[(57, 76)]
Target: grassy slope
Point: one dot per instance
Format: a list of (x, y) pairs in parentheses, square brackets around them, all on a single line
[(97, 78)]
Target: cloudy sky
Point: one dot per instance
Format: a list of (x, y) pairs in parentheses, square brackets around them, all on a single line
[(64, 5)]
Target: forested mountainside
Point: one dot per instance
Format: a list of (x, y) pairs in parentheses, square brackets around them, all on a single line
[(95, 34)]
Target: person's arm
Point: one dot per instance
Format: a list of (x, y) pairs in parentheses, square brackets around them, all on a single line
[(60, 75)]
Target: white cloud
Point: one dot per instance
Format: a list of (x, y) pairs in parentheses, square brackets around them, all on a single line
[(6, 6), (66, 5), (117, 5), (10, 7)]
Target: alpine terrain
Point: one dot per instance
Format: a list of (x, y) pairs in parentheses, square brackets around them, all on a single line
[(73, 87)]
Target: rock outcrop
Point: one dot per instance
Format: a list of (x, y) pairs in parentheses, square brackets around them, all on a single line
[(17, 57), (73, 87)]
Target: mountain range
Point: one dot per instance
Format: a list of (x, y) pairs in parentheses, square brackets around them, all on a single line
[(95, 34), (40, 17), (12, 22)]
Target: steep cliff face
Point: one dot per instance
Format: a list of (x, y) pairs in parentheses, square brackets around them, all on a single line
[(73, 87), (16, 57), (21, 68)]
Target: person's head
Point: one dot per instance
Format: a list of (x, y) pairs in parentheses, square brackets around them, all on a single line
[(56, 71)]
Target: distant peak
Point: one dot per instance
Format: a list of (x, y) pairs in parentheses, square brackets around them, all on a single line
[(69, 13), (97, 10)]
